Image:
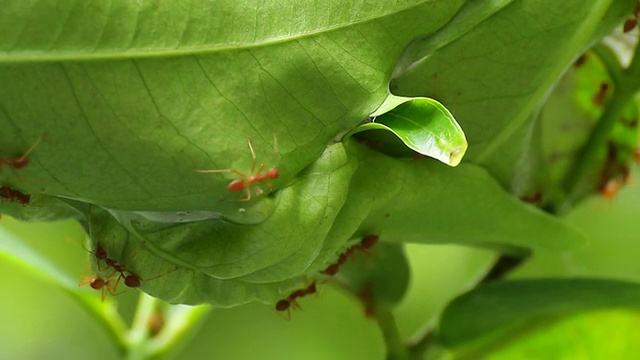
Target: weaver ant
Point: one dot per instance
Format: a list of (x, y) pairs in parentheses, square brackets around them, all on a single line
[(7, 193), (598, 99), (98, 283), (366, 243), (633, 22), (285, 304), (610, 188), (536, 198), (131, 279), (581, 60), (246, 182), (22, 160)]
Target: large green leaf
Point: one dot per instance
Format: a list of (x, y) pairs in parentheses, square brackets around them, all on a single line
[(130, 97), (494, 77), (526, 304)]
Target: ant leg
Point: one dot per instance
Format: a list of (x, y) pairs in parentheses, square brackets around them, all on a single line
[(24, 156), (259, 171), (275, 147), (248, 195), (222, 171), (253, 155)]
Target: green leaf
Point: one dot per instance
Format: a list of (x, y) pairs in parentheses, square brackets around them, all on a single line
[(130, 97), (430, 203), (380, 277), (524, 304), (493, 78), (584, 336), (226, 263), (424, 125)]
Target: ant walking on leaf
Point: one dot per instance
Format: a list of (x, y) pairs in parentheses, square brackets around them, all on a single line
[(130, 279), (247, 182), (291, 300), (22, 160)]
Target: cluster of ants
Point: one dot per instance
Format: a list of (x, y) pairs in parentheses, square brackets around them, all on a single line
[(291, 301), (614, 175), (119, 271), (15, 163)]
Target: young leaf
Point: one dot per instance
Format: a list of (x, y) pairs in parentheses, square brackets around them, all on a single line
[(424, 125)]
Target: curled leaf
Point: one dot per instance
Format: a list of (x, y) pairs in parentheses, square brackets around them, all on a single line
[(424, 125)]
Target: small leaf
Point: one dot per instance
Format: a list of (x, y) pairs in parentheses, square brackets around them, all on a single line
[(505, 305), (379, 277), (424, 125)]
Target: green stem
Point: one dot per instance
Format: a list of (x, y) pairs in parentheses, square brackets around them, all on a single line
[(626, 86), (396, 349), (139, 332), (425, 342), (182, 323)]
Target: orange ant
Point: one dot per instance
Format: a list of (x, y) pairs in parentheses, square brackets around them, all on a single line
[(22, 160), (245, 182), (7, 193), (365, 244), (536, 198), (285, 304), (131, 279), (98, 283), (611, 188)]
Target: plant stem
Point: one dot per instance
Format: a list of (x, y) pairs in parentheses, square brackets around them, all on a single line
[(139, 332), (626, 86), (425, 341), (182, 323), (396, 349)]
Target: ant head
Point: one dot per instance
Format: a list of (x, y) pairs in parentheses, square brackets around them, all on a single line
[(20, 162), (100, 253), (5, 192), (282, 305), (370, 240), (273, 173), (236, 185)]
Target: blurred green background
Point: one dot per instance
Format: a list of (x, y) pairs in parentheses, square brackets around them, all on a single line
[(41, 322)]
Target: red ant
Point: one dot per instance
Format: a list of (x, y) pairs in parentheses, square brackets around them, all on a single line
[(246, 182), (611, 188), (365, 244), (7, 193), (581, 60), (98, 283), (598, 99), (366, 298), (631, 23), (22, 160), (285, 304), (536, 198), (131, 279)]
